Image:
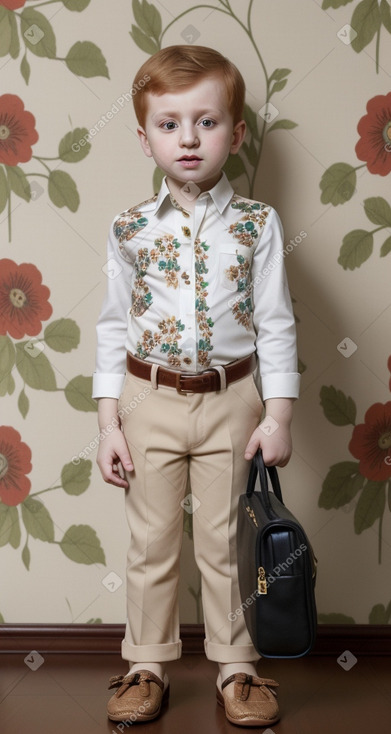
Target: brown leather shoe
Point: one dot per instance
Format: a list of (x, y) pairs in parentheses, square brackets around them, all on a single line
[(254, 702), (139, 697)]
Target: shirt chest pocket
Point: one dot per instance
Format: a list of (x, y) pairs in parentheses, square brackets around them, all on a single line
[(235, 267)]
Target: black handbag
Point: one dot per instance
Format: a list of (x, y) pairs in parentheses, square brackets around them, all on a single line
[(276, 568)]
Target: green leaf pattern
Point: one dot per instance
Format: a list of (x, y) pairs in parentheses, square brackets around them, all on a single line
[(75, 478), (37, 37), (38, 34), (85, 59), (338, 409), (62, 188), (357, 245), (369, 17), (79, 543), (37, 520), (34, 367), (338, 184), (62, 335), (147, 31)]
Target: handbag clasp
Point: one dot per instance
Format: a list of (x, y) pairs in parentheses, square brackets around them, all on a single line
[(262, 585)]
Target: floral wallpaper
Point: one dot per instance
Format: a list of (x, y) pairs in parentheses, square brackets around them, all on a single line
[(318, 148), (25, 30), (339, 182), (370, 443), (17, 135), (369, 18)]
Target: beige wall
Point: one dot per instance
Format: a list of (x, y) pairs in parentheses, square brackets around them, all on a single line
[(325, 95)]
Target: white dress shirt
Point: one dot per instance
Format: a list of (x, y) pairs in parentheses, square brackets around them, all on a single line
[(191, 291)]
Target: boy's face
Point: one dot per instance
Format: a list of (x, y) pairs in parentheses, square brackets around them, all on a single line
[(190, 133)]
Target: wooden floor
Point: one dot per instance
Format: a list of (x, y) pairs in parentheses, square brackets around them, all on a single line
[(67, 694)]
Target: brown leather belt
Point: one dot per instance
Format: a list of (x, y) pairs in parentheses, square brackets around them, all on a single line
[(184, 382)]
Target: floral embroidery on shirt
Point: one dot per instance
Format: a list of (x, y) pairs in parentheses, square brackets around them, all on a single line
[(242, 306), (166, 255), (167, 336), (186, 278), (170, 329), (141, 295), (241, 310), (201, 306), (179, 207), (254, 213), (239, 273), (130, 222)]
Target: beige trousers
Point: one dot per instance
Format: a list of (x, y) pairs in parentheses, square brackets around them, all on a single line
[(173, 437)]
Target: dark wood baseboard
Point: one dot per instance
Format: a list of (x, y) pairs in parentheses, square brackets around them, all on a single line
[(363, 639)]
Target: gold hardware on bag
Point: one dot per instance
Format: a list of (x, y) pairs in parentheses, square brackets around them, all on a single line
[(262, 585), (252, 515)]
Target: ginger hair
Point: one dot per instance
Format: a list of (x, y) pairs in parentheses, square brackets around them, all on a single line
[(181, 66)]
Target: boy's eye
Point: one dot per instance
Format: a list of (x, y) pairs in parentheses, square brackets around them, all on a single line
[(207, 123), (170, 125)]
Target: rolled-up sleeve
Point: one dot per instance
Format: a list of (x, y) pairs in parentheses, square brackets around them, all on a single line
[(111, 327), (274, 321)]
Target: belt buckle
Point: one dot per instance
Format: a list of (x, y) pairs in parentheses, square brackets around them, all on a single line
[(178, 385), (202, 377)]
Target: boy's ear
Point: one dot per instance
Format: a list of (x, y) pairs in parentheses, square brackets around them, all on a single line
[(142, 135), (238, 135)]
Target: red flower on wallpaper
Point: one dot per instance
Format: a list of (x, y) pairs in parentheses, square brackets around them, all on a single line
[(374, 146), (15, 463), (23, 299), (12, 4), (371, 443), (17, 131)]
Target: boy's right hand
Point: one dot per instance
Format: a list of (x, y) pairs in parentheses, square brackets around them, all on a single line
[(113, 454)]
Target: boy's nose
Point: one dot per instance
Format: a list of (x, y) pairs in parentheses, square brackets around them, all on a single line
[(189, 137)]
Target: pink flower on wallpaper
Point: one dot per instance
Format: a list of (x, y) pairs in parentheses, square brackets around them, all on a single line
[(17, 131), (15, 463), (23, 299), (374, 146)]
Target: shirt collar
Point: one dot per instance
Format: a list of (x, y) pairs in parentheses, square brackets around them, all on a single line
[(221, 194)]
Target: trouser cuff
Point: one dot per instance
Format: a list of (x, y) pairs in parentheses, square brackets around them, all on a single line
[(151, 653)]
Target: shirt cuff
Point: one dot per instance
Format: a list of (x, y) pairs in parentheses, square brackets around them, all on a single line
[(283, 385), (106, 385)]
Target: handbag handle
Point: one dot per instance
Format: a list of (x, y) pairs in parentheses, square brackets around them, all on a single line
[(258, 467)]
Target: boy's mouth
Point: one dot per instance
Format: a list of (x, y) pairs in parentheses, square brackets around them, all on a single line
[(188, 161)]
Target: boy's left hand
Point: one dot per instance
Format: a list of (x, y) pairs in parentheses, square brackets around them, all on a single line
[(276, 448), (273, 434)]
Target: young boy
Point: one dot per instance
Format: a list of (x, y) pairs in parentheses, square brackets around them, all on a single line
[(196, 313)]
